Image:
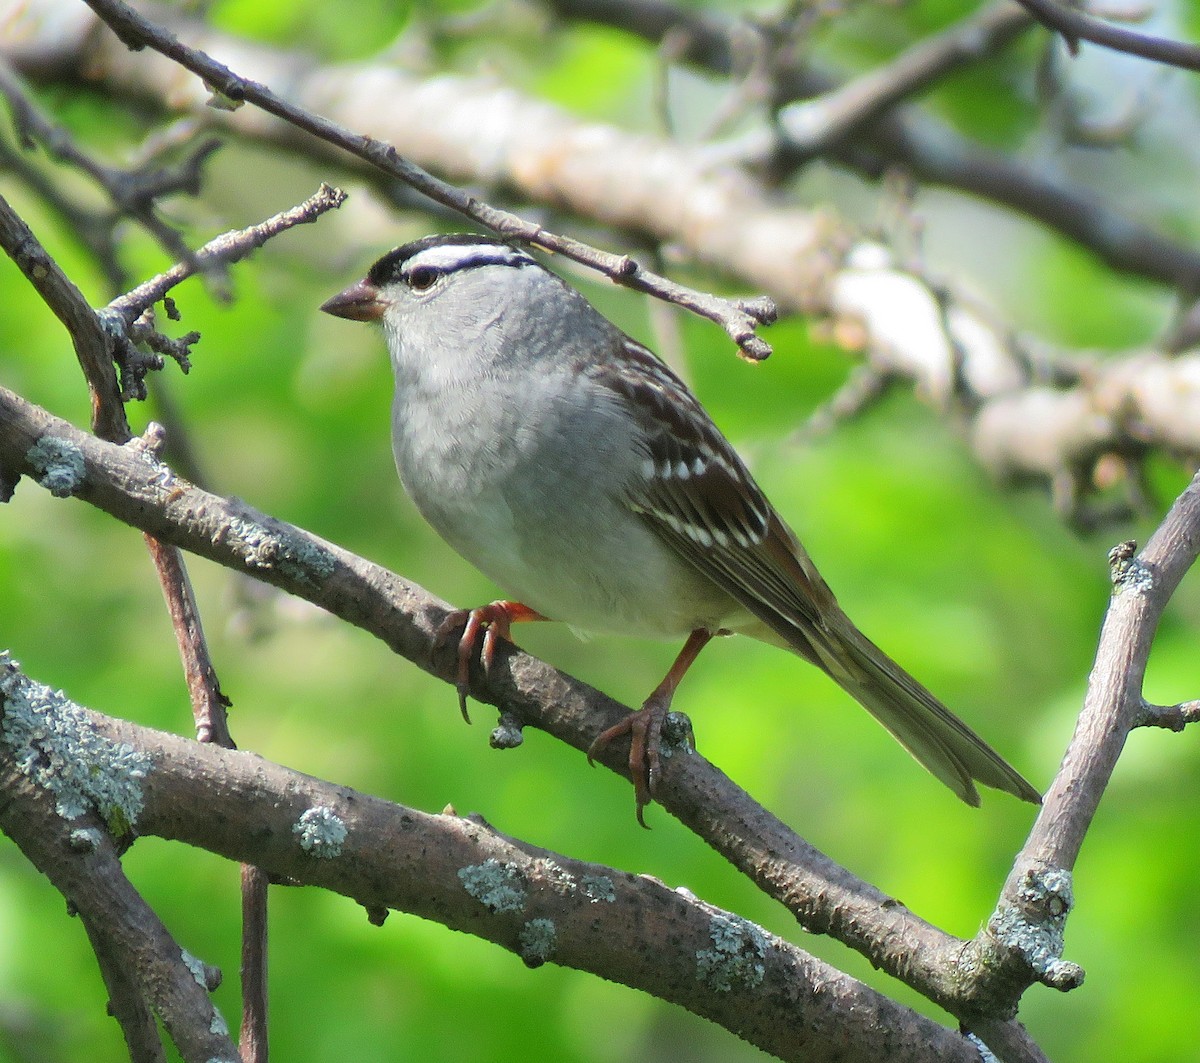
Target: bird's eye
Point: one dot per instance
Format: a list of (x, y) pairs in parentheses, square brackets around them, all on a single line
[(422, 278)]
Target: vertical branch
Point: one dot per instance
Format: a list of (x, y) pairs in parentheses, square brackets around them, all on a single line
[(126, 1003), (208, 702), (252, 1039)]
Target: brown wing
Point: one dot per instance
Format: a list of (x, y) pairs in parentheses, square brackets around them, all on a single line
[(699, 497)]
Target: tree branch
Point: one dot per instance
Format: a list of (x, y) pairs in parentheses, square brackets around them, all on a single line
[(740, 318), (813, 126), (823, 896), (1075, 25), (50, 790), (542, 906), (931, 151), (1025, 933), (1142, 586)]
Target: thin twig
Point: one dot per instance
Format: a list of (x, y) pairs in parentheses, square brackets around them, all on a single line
[(739, 317), (1075, 25), (252, 1040), (1170, 717), (229, 247), (72, 309), (814, 125)]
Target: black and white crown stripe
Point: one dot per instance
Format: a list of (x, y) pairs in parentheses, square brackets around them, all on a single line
[(445, 254)]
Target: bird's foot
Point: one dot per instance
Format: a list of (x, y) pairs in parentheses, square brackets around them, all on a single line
[(493, 621), (644, 728)]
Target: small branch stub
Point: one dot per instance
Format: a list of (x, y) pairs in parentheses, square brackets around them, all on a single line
[(1033, 927), (1126, 571)]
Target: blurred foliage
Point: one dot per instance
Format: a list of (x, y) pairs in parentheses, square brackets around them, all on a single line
[(983, 593)]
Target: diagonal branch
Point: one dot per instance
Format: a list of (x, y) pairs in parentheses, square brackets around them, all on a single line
[(543, 906), (823, 896), (1142, 585), (813, 126), (1025, 933), (1076, 25), (43, 812), (739, 318), (72, 309)]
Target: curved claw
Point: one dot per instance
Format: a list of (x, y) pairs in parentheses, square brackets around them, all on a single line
[(495, 622), (644, 728)]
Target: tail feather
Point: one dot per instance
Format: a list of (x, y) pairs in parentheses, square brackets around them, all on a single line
[(937, 738)]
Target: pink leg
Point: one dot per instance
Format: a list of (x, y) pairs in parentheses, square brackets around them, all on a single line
[(495, 622), (644, 727)]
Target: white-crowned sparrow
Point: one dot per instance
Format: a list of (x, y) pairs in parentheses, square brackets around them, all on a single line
[(566, 462)]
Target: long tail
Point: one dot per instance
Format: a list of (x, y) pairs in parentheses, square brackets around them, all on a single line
[(938, 739)]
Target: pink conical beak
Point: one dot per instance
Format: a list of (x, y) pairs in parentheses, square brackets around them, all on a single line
[(359, 302)]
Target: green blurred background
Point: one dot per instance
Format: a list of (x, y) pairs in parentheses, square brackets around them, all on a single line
[(981, 592)]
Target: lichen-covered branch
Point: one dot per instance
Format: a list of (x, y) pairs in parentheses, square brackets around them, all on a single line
[(68, 790), (458, 871), (131, 485)]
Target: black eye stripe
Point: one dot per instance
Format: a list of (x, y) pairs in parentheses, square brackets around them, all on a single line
[(444, 254)]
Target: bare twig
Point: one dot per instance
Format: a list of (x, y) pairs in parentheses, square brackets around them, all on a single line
[(208, 702), (740, 318), (72, 309), (1023, 939), (864, 388), (252, 1040), (229, 247), (1075, 25), (1170, 717), (811, 127)]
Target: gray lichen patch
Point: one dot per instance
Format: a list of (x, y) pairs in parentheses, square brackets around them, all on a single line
[(196, 966), (677, 735), (1048, 893), (498, 887), (58, 464), (538, 940), (599, 888), (86, 839), (55, 744), (321, 832), (736, 958), (268, 547), (1128, 572)]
